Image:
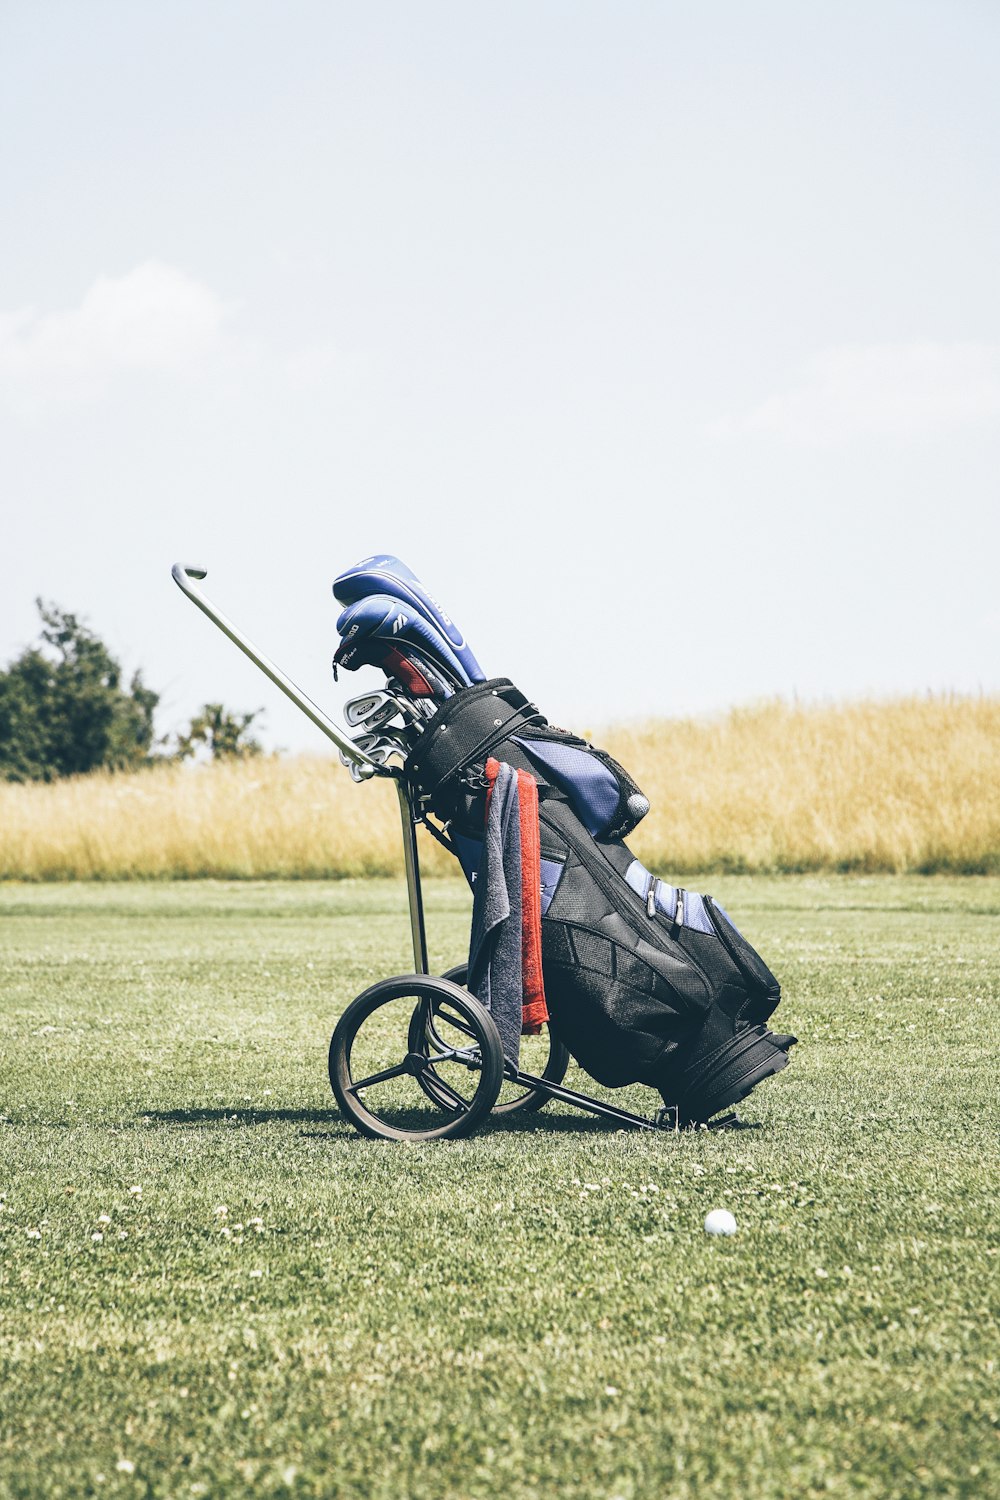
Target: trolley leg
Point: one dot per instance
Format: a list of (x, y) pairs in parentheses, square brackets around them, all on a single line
[(411, 861)]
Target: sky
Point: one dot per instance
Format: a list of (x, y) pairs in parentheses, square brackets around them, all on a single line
[(661, 340)]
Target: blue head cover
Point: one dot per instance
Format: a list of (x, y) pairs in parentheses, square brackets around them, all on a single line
[(378, 618), (384, 574)]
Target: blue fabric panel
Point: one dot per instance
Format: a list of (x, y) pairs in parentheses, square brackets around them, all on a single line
[(551, 871), (666, 899), (637, 876), (695, 914), (591, 787), (469, 853)]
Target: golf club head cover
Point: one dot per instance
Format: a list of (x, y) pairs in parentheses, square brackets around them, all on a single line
[(645, 982), (384, 574), (378, 617)]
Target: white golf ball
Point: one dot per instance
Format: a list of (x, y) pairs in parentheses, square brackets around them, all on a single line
[(720, 1221)]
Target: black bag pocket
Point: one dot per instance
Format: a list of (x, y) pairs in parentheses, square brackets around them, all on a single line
[(616, 1018), (763, 987)]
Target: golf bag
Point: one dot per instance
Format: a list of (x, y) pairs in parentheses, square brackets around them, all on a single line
[(644, 982)]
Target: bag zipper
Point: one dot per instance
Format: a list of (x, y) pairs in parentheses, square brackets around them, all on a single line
[(677, 920), (678, 917)]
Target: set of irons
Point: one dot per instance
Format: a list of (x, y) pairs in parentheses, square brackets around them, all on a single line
[(388, 722)]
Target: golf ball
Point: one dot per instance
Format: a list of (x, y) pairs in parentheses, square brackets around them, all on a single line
[(720, 1221)]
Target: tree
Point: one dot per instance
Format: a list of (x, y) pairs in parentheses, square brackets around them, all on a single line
[(223, 733), (64, 709)]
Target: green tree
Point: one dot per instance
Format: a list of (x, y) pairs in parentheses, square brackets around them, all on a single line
[(64, 708), (226, 735)]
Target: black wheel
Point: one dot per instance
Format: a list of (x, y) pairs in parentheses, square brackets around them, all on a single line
[(387, 1080), (544, 1056)]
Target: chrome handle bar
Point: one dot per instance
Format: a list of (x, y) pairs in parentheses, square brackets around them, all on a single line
[(187, 580)]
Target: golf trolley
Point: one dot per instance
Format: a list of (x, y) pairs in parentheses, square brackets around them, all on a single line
[(417, 1057)]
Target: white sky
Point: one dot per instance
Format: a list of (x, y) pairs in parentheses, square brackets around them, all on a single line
[(662, 340)]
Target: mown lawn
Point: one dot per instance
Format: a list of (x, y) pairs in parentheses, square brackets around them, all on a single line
[(210, 1286)]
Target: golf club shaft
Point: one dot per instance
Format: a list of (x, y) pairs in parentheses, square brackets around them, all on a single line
[(187, 579)]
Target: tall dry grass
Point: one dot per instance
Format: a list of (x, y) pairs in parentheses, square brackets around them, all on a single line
[(300, 817), (907, 785)]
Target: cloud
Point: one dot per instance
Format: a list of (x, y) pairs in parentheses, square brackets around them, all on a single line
[(878, 390), (154, 319)]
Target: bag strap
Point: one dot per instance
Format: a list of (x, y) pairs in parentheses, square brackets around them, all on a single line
[(464, 731)]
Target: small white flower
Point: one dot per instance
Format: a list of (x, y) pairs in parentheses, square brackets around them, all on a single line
[(104, 1218), (221, 1211), (125, 1466), (33, 1234), (821, 1273), (123, 1234), (611, 1390), (256, 1273), (97, 1236), (135, 1191)]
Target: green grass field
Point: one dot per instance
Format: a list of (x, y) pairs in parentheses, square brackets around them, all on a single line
[(210, 1286)]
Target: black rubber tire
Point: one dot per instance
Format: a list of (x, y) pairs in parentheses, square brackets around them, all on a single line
[(556, 1064), (476, 1021)]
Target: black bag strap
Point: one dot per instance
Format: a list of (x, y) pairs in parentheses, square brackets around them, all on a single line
[(464, 731)]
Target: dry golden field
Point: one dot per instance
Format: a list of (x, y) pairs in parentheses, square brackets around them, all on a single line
[(908, 785)]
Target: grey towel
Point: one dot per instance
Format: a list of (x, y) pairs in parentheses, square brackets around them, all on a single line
[(495, 941)]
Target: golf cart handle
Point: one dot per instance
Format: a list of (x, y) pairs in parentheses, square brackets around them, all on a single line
[(187, 580)]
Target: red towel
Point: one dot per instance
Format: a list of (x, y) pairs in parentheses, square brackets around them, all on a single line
[(534, 1011)]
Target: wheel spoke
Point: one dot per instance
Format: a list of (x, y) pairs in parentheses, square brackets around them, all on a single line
[(456, 1022), (383, 1077), (448, 1094)]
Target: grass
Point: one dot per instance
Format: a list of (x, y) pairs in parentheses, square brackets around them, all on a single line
[(210, 1286), (909, 785)]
